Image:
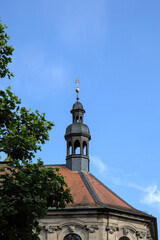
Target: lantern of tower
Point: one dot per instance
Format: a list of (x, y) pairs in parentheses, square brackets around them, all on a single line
[(77, 137)]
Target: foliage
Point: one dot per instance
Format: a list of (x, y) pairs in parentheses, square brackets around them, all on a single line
[(26, 193), (27, 189), (5, 53), (21, 131)]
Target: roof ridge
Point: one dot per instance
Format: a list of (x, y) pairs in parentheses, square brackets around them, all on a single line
[(91, 189), (110, 190)]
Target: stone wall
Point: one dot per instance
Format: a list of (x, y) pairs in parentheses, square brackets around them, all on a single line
[(92, 225)]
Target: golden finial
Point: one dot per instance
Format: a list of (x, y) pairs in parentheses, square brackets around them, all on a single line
[(77, 89)]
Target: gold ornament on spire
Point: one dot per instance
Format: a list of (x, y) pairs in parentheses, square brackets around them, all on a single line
[(77, 89)]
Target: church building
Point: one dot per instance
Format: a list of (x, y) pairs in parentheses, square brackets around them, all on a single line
[(97, 212)]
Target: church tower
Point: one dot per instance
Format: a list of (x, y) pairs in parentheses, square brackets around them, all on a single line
[(77, 137), (97, 213)]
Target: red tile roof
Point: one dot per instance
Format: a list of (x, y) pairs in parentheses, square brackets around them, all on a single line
[(105, 194), (78, 189), (87, 191)]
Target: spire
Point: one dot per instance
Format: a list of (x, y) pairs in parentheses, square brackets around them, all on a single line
[(77, 137), (77, 89)]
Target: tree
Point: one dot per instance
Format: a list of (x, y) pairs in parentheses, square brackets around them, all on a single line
[(26, 193), (21, 130), (27, 189), (6, 52)]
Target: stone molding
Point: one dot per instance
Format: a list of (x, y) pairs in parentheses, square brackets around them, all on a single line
[(91, 228), (112, 229), (125, 231), (149, 237), (144, 235), (50, 228), (141, 234), (72, 228), (128, 229)]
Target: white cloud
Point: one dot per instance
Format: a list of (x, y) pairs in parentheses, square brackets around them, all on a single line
[(117, 180), (97, 162), (117, 175), (135, 185), (152, 195)]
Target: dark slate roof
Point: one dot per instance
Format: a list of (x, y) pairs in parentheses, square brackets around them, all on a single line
[(77, 106), (78, 128)]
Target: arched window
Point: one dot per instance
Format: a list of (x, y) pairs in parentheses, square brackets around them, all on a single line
[(77, 147), (124, 238), (72, 236), (70, 148), (84, 148), (77, 119)]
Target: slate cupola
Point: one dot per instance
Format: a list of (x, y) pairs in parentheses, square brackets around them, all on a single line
[(77, 136)]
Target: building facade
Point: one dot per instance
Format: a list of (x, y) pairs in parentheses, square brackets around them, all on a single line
[(97, 212)]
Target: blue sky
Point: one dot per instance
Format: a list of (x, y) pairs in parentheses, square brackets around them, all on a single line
[(113, 47)]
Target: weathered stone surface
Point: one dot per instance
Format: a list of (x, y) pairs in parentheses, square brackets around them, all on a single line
[(94, 224)]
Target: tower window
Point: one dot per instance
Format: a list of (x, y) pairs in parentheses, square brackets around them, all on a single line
[(72, 237), (77, 118), (84, 148), (81, 119), (70, 148), (77, 147)]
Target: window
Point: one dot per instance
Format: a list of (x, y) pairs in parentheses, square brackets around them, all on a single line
[(77, 119), (72, 237), (70, 148), (84, 148), (124, 238), (77, 147)]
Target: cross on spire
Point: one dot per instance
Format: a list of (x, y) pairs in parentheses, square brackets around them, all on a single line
[(77, 81)]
